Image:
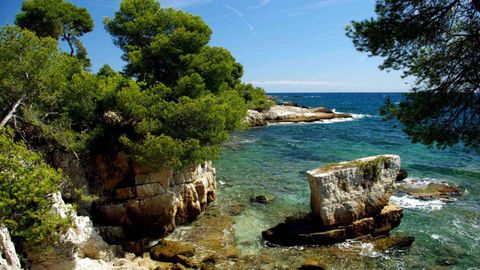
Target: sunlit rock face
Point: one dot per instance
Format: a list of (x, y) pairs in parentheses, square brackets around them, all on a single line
[(292, 114), (8, 255), (79, 242), (146, 203), (348, 200), (255, 119), (349, 191)]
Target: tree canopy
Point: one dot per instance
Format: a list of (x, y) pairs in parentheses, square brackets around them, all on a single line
[(57, 19), (170, 46), (437, 43), (30, 67)]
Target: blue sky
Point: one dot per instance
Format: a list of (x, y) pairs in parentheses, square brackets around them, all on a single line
[(284, 45)]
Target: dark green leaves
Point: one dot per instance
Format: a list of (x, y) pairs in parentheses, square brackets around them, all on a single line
[(25, 183), (57, 19), (438, 44)]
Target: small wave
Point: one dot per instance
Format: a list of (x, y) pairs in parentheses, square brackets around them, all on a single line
[(413, 203), (364, 249), (246, 141), (326, 121), (355, 115), (414, 182), (235, 142)]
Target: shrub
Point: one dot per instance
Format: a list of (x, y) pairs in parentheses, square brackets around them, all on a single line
[(25, 184)]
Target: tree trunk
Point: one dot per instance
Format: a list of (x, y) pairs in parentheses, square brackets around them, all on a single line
[(69, 41), (11, 112)]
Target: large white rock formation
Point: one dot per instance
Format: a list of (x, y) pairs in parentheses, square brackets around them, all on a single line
[(349, 191)]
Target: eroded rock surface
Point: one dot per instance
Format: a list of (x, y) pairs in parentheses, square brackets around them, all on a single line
[(8, 256), (255, 119), (79, 242), (307, 231), (147, 203), (294, 114), (349, 200), (349, 191)]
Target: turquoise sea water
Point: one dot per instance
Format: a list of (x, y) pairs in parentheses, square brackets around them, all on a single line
[(273, 160)]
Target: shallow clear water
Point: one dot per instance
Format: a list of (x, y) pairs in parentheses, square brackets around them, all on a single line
[(273, 160)]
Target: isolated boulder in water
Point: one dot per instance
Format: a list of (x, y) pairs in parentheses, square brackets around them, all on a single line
[(263, 199), (345, 192), (349, 200)]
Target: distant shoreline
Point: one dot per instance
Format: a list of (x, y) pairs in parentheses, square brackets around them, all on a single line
[(273, 93)]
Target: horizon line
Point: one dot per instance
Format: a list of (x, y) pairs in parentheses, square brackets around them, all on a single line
[(338, 92)]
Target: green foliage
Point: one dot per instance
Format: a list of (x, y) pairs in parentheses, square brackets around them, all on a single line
[(216, 66), (29, 68), (154, 39), (187, 131), (255, 97), (192, 86), (187, 98), (25, 183), (57, 19), (436, 42)]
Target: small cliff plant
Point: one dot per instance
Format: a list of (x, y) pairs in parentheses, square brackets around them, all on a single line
[(26, 182)]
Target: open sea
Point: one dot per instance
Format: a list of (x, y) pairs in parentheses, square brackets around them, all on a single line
[(273, 160)]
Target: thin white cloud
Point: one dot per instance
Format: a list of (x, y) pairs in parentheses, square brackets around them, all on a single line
[(320, 4), (262, 3), (327, 86), (242, 17), (181, 3)]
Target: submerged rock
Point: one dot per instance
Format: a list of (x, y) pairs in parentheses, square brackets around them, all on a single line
[(312, 264), (345, 192), (169, 251), (263, 199), (385, 243), (428, 190)]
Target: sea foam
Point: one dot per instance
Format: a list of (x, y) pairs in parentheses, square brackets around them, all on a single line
[(413, 203)]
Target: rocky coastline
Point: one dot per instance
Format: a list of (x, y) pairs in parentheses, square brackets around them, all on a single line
[(291, 114), (349, 200)]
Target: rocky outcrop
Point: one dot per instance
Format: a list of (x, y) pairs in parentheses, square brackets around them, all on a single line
[(255, 119), (137, 203), (294, 114), (8, 255), (349, 191), (349, 200), (80, 242), (425, 189)]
